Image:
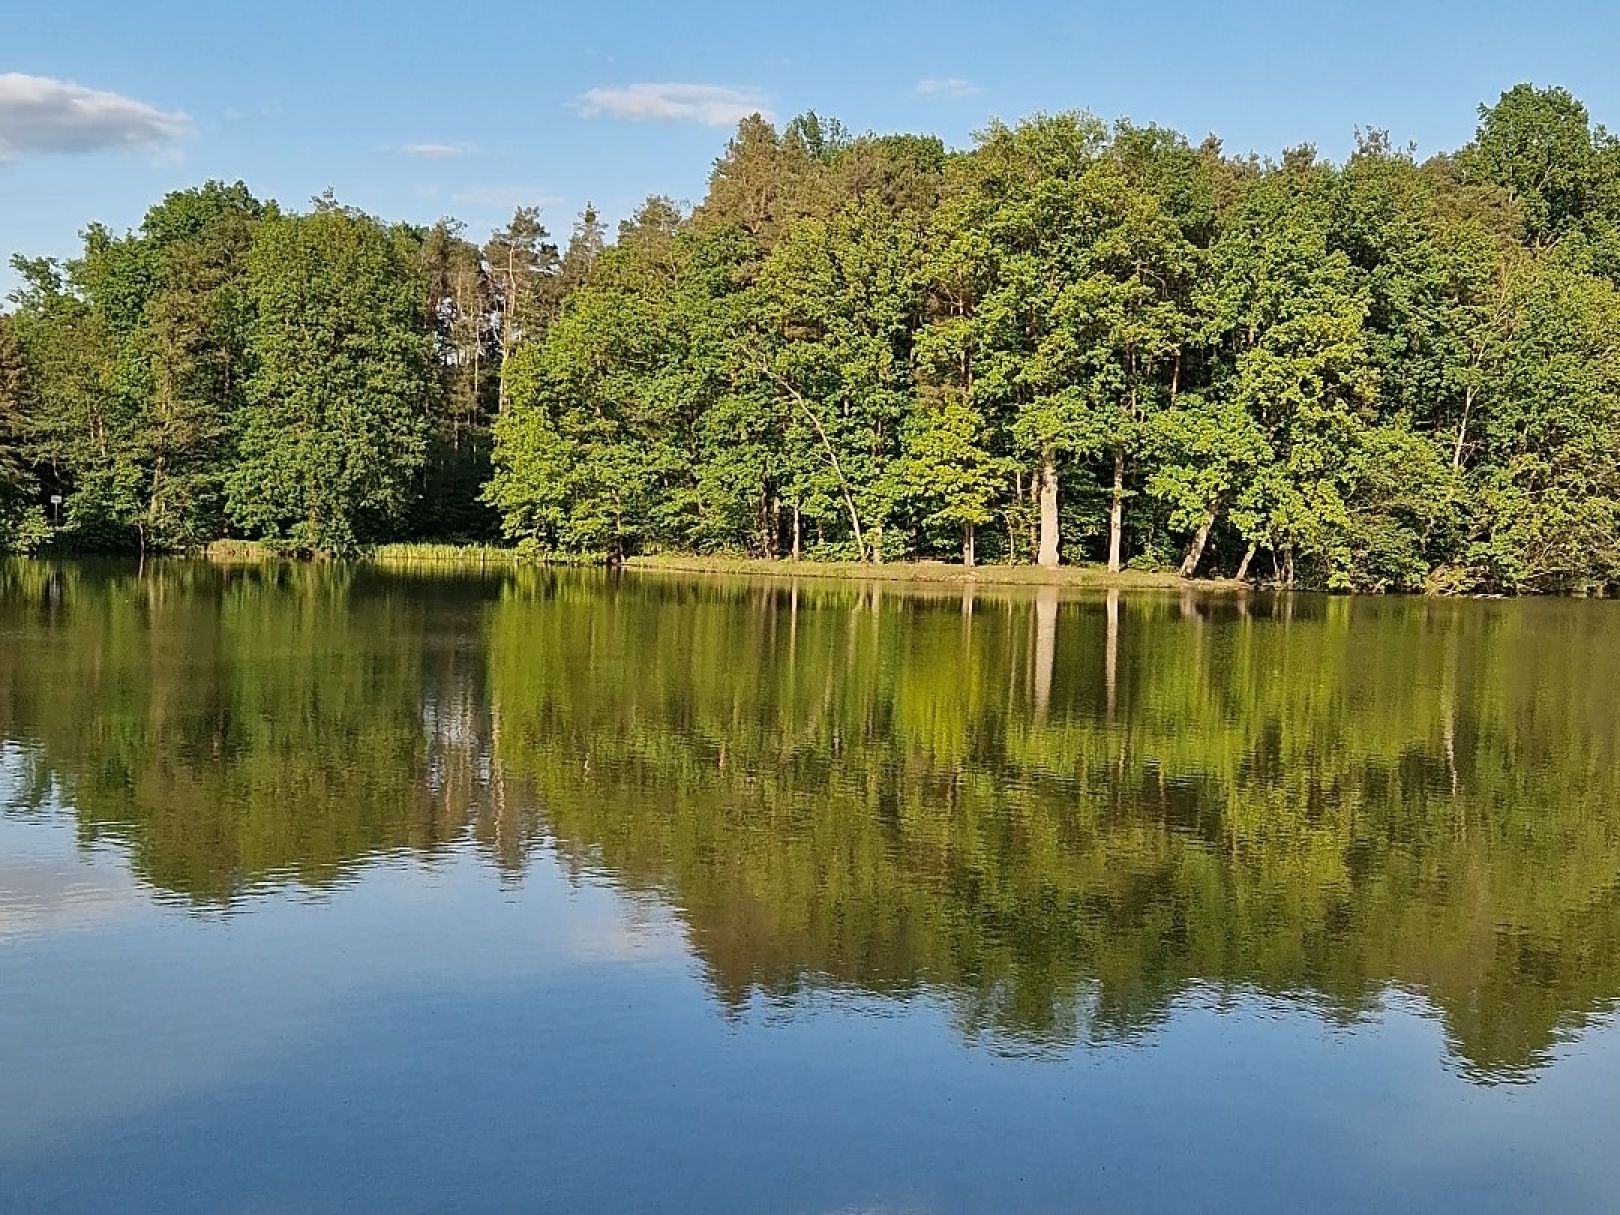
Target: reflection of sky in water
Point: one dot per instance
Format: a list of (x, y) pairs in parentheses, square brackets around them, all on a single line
[(428, 1033)]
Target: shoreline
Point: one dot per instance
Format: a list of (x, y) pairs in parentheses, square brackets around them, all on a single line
[(1089, 576), (937, 575), (934, 573)]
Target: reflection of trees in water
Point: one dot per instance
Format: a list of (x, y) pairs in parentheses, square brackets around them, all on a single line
[(237, 728), (1062, 815), (1065, 814)]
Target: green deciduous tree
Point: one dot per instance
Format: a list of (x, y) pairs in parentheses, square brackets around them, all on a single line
[(1072, 340), (330, 460)]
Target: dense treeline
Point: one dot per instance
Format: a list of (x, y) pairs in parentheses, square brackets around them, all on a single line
[(232, 369), (1073, 341)]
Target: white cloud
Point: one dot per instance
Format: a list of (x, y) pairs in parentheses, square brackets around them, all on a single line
[(946, 86), (437, 151), (39, 114), (504, 198), (714, 105)]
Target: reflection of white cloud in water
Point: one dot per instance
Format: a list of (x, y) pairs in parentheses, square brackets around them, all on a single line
[(11, 771), (48, 883), (644, 931), (40, 898), (119, 1002)]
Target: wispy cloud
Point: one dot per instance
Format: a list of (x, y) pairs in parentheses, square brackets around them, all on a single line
[(714, 105), (504, 198), (268, 109), (946, 86), (39, 115), (437, 151)]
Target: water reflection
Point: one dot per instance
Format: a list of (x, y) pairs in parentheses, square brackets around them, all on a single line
[(1060, 817)]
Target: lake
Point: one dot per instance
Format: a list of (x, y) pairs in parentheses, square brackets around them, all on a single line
[(326, 888)]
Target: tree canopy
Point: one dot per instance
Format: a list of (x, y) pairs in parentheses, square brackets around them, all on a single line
[(1072, 341)]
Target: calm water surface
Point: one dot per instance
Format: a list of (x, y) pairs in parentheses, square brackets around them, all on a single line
[(329, 889)]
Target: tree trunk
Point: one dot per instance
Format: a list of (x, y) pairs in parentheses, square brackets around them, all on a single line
[(1116, 513), (1195, 547), (1243, 566), (1049, 512), (832, 458), (1462, 431), (855, 526), (967, 545), (152, 500), (796, 530)]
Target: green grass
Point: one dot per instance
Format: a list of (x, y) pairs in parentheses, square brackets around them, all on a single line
[(233, 551), (481, 555), (930, 572), (935, 573)]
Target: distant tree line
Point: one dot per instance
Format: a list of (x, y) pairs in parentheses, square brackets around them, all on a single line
[(233, 369), (1074, 341)]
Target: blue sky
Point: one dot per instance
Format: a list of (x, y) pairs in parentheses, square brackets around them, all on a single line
[(414, 110)]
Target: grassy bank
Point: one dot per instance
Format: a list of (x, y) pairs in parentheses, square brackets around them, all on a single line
[(481, 555), (464, 556), (928, 573), (239, 552), (938, 573)]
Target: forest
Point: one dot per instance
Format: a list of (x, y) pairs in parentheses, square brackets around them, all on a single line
[(1075, 341)]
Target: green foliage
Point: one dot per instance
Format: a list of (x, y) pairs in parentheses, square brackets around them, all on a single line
[(1539, 145), (1547, 509), (1073, 339), (948, 465), (1294, 359), (22, 522), (1203, 453), (328, 461)]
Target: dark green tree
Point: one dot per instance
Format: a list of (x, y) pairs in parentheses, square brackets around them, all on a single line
[(335, 424)]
